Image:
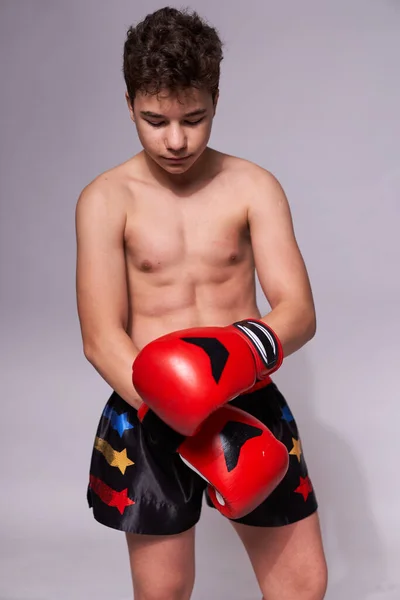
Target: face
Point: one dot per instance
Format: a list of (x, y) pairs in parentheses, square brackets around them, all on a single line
[(174, 129)]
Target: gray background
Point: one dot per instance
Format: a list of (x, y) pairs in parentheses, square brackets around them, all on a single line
[(310, 90)]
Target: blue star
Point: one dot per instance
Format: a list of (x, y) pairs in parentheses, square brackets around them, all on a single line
[(286, 414), (118, 422)]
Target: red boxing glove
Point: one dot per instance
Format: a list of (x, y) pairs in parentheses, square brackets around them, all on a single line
[(233, 451), (184, 376)]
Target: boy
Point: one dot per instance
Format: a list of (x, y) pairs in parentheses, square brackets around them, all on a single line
[(168, 240)]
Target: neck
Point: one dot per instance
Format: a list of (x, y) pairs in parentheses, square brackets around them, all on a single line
[(179, 181)]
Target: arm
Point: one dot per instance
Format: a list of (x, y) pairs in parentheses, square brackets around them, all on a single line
[(102, 290), (280, 266)]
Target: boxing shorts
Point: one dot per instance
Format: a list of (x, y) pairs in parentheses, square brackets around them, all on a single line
[(140, 487)]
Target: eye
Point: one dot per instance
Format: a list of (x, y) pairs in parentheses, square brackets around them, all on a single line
[(195, 122), (161, 123)]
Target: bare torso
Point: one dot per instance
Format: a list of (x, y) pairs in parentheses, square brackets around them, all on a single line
[(189, 258)]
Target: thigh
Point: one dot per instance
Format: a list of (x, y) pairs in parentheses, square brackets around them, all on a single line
[(288, 561), (163, 567)]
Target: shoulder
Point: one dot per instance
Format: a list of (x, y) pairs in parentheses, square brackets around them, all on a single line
[(106, 185), (108, 192), (102, 203), (258, 184), (246, 171)]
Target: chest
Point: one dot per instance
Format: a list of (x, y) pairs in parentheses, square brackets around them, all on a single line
[(197, 233)]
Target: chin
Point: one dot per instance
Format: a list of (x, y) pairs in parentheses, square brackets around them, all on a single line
[(179, 167)]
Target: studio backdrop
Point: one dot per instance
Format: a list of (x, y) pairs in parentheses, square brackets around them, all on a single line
[(309, 90)]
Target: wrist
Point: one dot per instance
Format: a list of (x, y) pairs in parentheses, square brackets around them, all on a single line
[(264, 343)]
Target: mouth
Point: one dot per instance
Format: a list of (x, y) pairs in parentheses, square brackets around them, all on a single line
[(176, 160)]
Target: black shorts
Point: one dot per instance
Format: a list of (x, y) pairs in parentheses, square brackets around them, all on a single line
[(140, 488)]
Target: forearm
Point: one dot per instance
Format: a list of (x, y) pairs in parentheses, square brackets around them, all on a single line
[(113, 358), (293, 324)]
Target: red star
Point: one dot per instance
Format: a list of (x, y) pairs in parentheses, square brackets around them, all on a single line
[(109, 496), (305, 487)]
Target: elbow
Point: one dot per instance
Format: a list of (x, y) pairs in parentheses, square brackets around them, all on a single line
[(90, 350), (97, 346), (306, 322), (311, 325)]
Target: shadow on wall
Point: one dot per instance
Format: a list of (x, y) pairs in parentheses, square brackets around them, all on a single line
[(355, 552)]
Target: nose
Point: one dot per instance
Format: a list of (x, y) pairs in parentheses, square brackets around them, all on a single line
[(176, 140)]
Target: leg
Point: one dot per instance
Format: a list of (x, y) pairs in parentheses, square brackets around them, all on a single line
[(162, 566), (282, 535), (145, 490), (288, 561)]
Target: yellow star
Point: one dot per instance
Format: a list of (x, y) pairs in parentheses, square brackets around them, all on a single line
[(113, 457), (296, 450)]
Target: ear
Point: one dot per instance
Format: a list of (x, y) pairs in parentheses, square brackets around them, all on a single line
[(130, 106)]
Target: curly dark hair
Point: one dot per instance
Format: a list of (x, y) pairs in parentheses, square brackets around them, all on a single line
[(172, 49)]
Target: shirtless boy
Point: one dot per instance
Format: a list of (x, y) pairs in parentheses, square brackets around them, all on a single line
[(170, 240)]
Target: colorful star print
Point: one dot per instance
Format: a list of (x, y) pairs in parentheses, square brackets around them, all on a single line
[(113, 457), (286, 414), (109, 496), (305, 487), (296, 450), (118, 422)]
